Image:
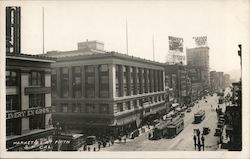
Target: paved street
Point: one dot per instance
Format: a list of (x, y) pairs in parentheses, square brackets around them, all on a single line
[(182, 142)]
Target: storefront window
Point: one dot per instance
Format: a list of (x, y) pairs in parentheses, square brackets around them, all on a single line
[(36, 100), (12, 127), (11, 78)]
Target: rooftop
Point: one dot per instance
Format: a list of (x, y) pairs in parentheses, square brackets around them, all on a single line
[(29, 57)]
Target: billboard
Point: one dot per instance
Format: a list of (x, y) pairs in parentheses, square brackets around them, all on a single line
[(175, 44), (200, 40)]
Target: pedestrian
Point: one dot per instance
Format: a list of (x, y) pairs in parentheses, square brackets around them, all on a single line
[(198, 133), (194, 141), (88, 148), (84, 147), (125, 140), (94, 149), (199, 144), (203, 142), (99, 146)]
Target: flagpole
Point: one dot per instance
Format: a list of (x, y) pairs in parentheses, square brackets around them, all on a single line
[(153, 48), (127, 36), (43, 30)]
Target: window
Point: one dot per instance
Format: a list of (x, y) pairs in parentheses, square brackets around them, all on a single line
[(12, 127), (11, 78), (37, 122), (104, 108), (65, 82), (36, 78), (135, 103), (64, 107), (103, 81), (141, 102), (90, 108), (118, 80), (12, 102), (128, 106), (76, 108), (120, 107), (77, 87), (36, 100), (90, 81), (53, 83)]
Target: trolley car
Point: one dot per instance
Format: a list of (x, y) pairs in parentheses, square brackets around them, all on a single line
[(199, 116)]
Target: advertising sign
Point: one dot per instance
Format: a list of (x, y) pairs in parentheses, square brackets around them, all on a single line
[(200, 40), (175, 44)]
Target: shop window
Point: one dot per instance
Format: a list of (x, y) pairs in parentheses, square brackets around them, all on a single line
[(12, 102), (36, 78), (36, 100), (11, 78)]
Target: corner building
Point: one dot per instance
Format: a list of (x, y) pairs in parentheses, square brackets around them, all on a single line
[(105, 92), (28, 102)]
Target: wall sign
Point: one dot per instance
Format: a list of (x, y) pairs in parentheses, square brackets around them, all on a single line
[(27, 113)]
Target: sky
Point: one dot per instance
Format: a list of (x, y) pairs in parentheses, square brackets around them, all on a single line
[(225, 23)]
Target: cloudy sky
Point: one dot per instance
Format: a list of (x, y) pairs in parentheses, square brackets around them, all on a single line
[(225, 23)]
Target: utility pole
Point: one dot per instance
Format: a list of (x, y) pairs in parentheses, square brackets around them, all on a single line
[(127, 36)]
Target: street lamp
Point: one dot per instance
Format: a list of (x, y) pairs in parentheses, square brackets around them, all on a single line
[(58, 130)]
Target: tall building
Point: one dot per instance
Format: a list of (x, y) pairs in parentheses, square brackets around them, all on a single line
[(176, 78), (28, 102), (200, 57), (227, 81), (194, 72), (106, 92)]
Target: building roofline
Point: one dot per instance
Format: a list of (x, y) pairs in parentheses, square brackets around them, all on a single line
[(30, 57)]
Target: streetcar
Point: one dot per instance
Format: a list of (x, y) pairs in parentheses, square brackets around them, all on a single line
[(175, 127), (199, 116), (168, 129)]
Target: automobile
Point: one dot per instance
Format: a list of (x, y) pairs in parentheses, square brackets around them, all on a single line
[(189, 110), (206, 130), (182, 114), (217, 132), (90, 140)]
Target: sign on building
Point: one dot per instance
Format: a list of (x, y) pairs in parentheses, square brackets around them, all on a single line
[(200, 40), (175, 44)]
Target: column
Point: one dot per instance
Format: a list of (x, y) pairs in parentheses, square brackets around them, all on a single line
[(70, 83), (83, 81), (97, 81), (112, 82), (128, 80)]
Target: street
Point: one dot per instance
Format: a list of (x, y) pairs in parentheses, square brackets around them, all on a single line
[(183, 141)]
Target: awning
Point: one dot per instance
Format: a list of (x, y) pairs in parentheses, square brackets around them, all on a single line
[(175, 105)]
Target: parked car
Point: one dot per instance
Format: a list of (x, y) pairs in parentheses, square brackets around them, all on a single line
[(206, 130), (90, 140)]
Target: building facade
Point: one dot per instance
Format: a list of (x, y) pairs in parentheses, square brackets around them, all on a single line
[(177, 79), (28, 102), (105, 92), (200, 57), (194, 72)]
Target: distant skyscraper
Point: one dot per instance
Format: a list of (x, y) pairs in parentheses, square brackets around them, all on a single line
[(200, 57)]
